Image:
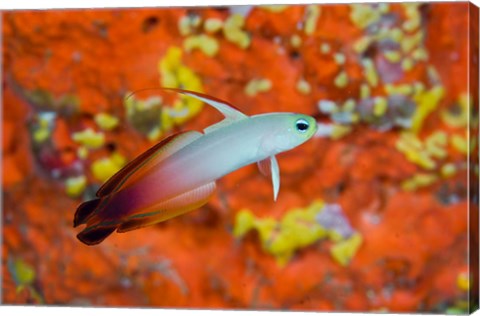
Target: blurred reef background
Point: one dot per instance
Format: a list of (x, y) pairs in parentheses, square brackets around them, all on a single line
[(372, 212)]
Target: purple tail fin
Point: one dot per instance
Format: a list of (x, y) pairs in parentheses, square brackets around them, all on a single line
[(97, 228), (95, 234), (85, 211)]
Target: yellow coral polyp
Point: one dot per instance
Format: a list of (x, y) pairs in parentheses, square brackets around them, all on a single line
[(134, 105), (82, 152), (171, 61), (392, 56), (463, 281), (312, 15), (349, 105), (460, 144), (339, 58), (448, 170), (184, 25), (256, 86), (422, 159), (103, 168), (457, 117), (235, 21), (154, 134), (420, 54), (265, 228), (24, 274), (362, 44), (410, 42), (415, 151), (396, 35), (412, 24), (427, 102), (370, 72), (419, 181), (343, 251), (341, 80), (176, 75), (187, 24), (380, 106), (325, 48), (41, 134), (435, 144), (297, 229), (403, 89), (106, 121), (213, 25), (274, 8), (363, 15), (207, 44), (410, 140), (295, 41), (364, 91), (75, 186), (167, 121), (244, 222), (407, 64), (188, 79), (339, 131), (89, 138), (232, 30), (413, 17), (238, 37), (303, 87)]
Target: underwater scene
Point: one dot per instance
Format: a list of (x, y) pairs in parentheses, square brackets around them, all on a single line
[(304, 158)]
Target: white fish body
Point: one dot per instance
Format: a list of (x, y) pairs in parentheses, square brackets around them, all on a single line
[(180, 175)]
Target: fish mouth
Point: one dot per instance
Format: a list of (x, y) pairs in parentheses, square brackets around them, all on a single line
[(314, 126)]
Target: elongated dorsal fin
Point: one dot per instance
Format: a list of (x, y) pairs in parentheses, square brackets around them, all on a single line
[(164, 210), (230, 112), (269, 167), (227, 109), (138, 167)]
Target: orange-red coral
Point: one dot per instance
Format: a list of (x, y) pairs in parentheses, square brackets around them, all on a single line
[(414, 243)]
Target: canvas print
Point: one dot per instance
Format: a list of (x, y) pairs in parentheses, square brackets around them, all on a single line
[(314, 157)]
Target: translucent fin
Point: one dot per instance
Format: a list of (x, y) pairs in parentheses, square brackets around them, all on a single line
[(269, 167), (264, 167), (173, 207), (275, 171), (135, 169), (85, 211)]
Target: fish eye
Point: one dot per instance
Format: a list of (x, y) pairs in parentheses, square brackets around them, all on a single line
[(302, 125)]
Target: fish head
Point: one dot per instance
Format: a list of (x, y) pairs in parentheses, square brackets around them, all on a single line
[(291, 130)]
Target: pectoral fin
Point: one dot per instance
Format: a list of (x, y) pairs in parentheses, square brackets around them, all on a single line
[(135, 169), (170, 208), (268, 167), (264, 167)]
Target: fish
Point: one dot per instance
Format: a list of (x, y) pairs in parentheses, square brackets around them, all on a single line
[(179, 174)]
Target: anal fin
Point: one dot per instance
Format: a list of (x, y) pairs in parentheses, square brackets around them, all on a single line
[(170, 208)]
